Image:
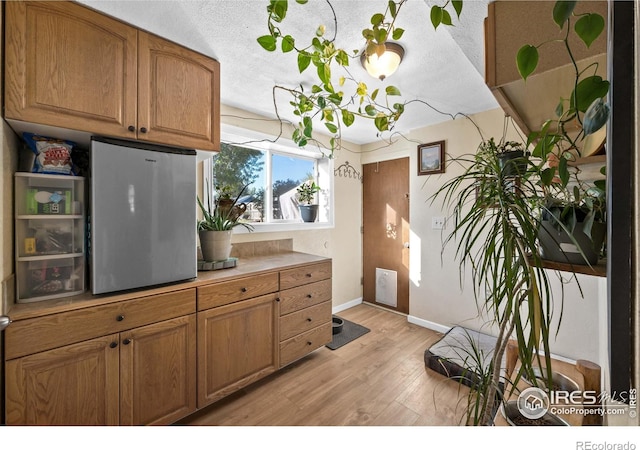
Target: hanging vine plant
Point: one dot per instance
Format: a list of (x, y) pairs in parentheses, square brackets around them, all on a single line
[(327, 102)]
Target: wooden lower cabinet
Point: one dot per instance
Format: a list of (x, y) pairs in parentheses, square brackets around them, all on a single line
[(73, 385), (237, 345), (158, 372), (142, 376)]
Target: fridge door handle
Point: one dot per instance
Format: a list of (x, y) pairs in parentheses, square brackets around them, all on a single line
[(4, 322)]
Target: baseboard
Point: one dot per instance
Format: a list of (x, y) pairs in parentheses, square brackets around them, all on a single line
[(347, 305), (427, 324)]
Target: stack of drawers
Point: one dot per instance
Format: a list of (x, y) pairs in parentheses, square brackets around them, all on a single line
[(305, 310)]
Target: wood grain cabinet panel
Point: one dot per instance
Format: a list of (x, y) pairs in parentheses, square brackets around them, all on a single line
[(43, 333), (178, 93), (226, 292), (237, 345), (72, 67), (303, 275), (158, 372), (304, 296), (304, 320), (73, 385), (303, 344), (68, 66)]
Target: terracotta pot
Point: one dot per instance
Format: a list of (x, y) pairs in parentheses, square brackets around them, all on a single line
[(215, 245)]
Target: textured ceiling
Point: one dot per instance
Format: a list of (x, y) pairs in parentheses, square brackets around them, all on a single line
[(442, 69)]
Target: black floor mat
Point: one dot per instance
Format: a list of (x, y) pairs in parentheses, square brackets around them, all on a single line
[(350, 331)]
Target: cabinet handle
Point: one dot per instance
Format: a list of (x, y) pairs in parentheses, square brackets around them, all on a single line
[(308, 275), (143, 130), (113, 345), (131, 128), (244, 289), (309, 295), (309, 343), (309, 319), (277, 299), (127, 341), (120, 318)]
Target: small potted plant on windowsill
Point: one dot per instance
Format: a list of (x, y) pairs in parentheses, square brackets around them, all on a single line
[(306, 196), (216, 227)]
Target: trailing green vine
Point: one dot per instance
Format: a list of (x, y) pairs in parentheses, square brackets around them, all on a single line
[(326, 101)]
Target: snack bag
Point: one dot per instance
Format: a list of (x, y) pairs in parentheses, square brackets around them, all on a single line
[(51, 155)]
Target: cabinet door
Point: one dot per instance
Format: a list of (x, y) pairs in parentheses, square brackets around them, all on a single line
[(158, 372), (72, 385), (178, 95), (70, 67), (237, 344)]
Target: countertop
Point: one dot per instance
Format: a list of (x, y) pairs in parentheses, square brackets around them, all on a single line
[(246, 266)]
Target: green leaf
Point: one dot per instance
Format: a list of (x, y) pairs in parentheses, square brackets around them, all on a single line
[(560, 108), (342, 58), (381, 123), (322, 103), (563, 171), (600, 184), (303, 61), (331, 127), (288, 43), (377, 19), (562, 11), (589, 27), (546, 177), (446, 17), (392, 90), (457, 5), (374, 94), (527, 60), (392, 8), (370, 110), (315, 89), (595, 117), (280, 10), (267, 42), (587, 91), (348, 117), (324, 73), (397, 34), (302, 2), (436, 16), (381, 35), (367, 33)]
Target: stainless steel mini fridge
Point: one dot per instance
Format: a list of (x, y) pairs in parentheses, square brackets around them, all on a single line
[(142, 215)]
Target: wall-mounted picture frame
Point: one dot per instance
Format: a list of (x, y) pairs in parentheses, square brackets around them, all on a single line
[(431, 158)]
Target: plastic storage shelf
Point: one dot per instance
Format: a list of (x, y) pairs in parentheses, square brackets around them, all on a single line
[(50, 236)]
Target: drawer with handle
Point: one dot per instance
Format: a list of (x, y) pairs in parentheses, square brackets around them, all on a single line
[(302, 344), (232, 291), (303, 275), (28, 336), (304, 320), (304, 296)]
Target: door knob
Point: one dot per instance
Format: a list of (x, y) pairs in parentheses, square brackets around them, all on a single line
[(4, 322), (405, 245)]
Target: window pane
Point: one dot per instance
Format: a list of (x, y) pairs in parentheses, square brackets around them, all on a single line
[(236, 167), (289, 172)]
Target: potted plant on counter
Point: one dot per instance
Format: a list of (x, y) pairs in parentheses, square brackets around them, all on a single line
[(216, 227), (306, 196)]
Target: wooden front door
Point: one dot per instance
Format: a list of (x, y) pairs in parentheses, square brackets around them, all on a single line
[(386, 233)]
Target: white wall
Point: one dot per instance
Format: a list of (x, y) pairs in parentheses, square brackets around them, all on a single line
[(438, 297), (343, 243)]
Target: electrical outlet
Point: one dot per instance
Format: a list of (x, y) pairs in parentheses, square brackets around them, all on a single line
[(437, 223)]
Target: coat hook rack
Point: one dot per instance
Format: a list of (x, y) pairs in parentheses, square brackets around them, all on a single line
[(346, 170)]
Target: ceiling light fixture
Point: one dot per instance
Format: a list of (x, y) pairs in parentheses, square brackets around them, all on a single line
[(384, 65)]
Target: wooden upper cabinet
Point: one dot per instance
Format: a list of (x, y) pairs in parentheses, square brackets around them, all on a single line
[(178, 93), (71, 67), (67, 66)]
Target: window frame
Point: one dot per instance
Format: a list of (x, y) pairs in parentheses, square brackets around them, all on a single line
[(263, 142)]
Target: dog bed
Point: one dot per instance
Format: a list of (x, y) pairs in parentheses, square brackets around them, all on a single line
[(459, 352)]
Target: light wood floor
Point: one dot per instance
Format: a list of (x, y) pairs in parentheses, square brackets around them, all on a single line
[(378, 379)]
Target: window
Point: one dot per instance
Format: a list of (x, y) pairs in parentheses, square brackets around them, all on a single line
[(264, 176)]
